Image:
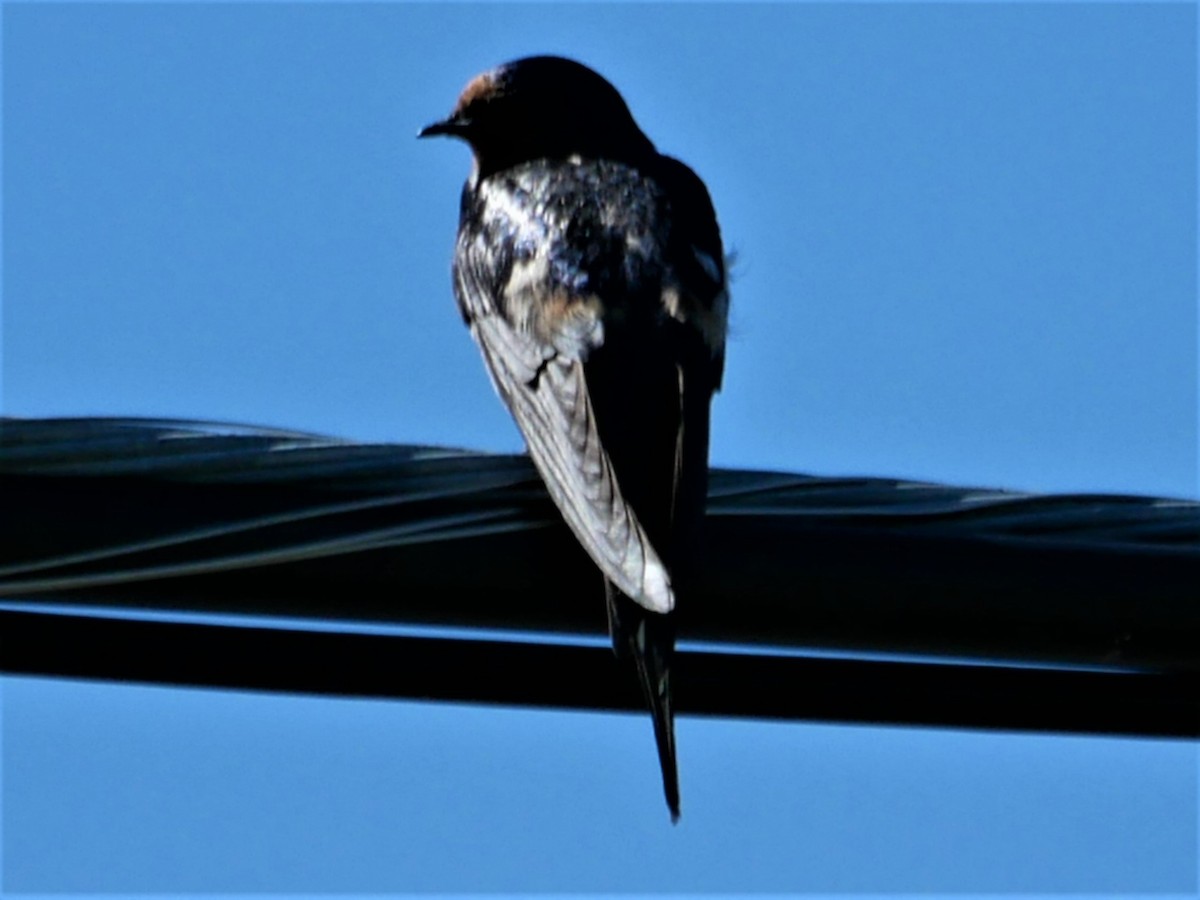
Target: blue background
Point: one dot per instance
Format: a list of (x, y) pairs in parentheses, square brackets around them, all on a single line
[(966, 252)]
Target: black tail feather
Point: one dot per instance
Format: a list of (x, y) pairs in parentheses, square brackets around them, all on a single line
[(647, 640)]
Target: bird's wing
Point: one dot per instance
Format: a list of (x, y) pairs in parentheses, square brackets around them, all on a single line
[(702, 262), (544, 387), (700, 310)]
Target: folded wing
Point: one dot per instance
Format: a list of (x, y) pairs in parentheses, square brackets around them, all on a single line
[(544, 387)]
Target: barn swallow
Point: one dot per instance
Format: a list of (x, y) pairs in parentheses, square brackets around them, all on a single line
[(590, 270)]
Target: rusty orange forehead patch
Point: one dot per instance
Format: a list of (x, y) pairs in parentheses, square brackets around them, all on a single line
[(479, 89)]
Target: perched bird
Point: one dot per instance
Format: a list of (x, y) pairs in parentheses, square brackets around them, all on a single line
[(590, 270)]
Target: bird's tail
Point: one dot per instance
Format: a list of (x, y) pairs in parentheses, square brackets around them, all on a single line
[(647, 640)]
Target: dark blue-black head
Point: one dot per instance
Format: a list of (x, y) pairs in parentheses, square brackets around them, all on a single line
[(542, 107)]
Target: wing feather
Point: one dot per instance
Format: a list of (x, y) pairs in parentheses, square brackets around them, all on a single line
[(547, 393)]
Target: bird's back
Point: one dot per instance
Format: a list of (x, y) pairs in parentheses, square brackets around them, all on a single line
[(590, 260)]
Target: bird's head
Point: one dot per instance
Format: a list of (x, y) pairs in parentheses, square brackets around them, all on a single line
[(542, 107)]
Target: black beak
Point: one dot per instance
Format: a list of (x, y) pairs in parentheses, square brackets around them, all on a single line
[(451, 127)]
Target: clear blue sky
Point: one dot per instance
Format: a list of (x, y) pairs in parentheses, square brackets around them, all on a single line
[(966, 252)]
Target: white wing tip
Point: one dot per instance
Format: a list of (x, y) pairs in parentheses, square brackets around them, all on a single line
[(657, 595)]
